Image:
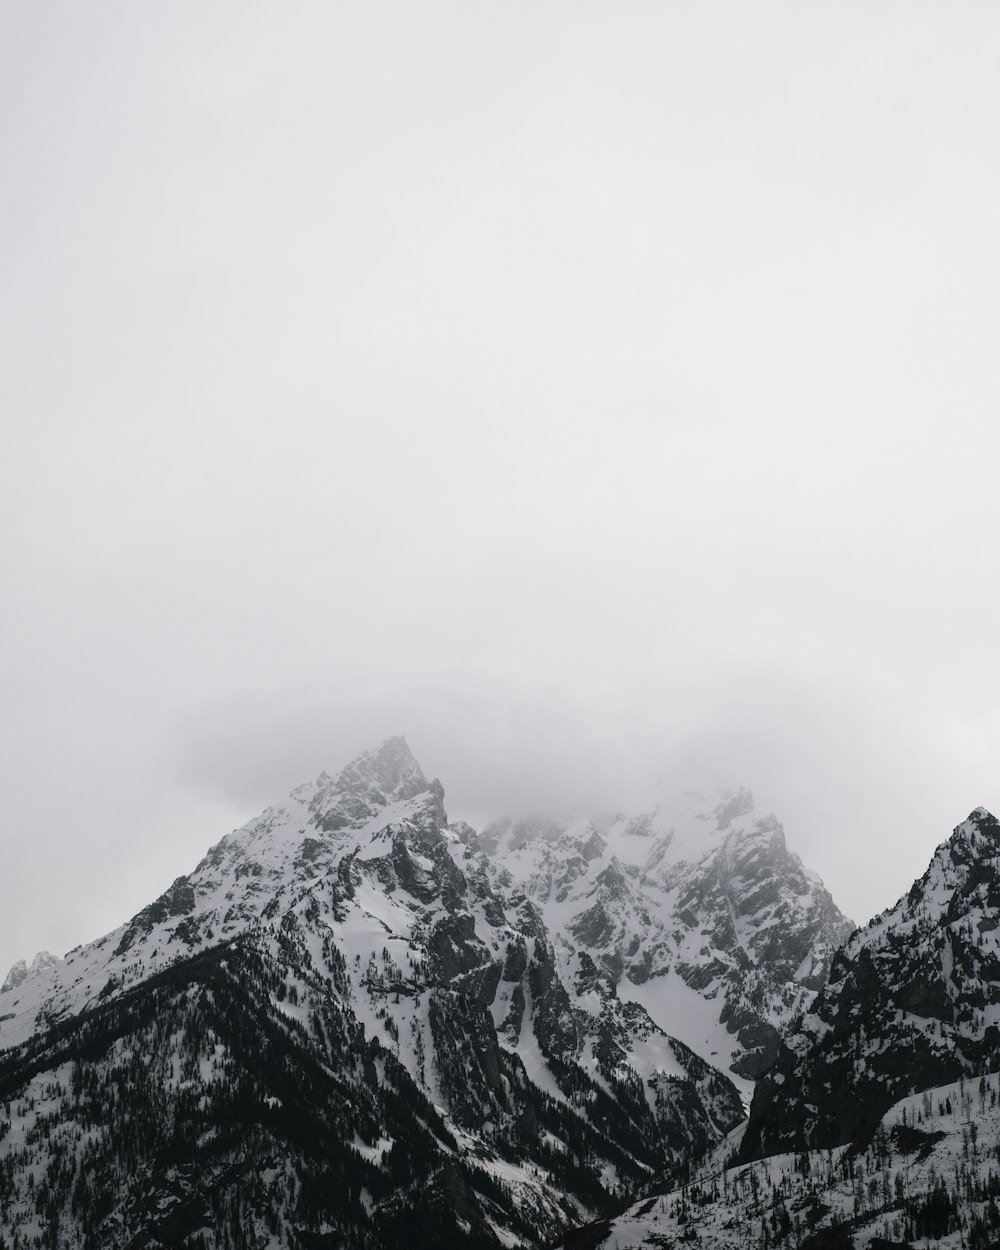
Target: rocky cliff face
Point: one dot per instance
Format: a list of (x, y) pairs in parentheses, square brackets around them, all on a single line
[(912, 1001)]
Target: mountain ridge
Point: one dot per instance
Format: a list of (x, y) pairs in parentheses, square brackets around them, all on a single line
[(468, 1033), (345, 930)]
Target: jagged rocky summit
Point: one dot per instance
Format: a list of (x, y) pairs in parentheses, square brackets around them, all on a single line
[(22, 970), (696, 910)]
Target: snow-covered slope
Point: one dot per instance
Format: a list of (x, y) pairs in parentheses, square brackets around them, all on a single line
[(696, 911)]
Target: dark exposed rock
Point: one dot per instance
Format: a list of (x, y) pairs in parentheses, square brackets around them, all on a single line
[(179, 900)]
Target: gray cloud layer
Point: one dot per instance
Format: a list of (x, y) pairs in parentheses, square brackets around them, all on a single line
[(597, 396)]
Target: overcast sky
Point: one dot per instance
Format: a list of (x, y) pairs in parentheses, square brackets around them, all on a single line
[(599, 394)]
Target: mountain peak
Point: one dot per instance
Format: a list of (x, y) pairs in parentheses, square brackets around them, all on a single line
[(374, 779), (975, 839), (21, 970), (390, 769), (15, 976), (735, 803), (981, 820)]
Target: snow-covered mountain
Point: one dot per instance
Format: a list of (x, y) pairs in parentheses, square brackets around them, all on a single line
[(343, 1028), (879, 1125), (696, 911)]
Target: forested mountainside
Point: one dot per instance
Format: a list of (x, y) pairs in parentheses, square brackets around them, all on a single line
[(927, 1175), (357, 1025)]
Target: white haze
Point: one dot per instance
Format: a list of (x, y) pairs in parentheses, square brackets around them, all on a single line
[(602, 395)]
